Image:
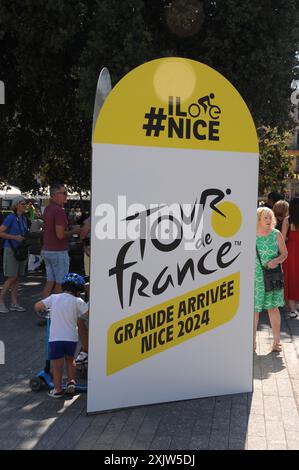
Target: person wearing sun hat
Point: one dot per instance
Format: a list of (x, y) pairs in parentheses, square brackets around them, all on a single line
[(13, 230), (17, 200)]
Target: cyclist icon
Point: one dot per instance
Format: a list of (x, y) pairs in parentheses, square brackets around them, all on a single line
[(204, 102)]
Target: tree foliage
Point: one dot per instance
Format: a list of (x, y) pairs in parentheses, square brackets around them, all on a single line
[(275, 161), (51, 54), (41, 129), (252, 43)]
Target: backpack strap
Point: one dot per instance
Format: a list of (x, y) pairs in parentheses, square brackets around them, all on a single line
[(25, 229), (21, 233)]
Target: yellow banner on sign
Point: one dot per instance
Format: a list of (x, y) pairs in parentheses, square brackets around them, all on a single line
[(176, 103), (170, 323)]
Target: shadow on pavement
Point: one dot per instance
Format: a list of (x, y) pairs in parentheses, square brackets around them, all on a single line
[(31, 420)]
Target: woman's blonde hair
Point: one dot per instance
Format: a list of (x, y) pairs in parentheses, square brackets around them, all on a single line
[(281, 208), (265, 210)]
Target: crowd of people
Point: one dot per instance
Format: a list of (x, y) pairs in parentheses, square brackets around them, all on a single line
[(22, 230), (277, 244)]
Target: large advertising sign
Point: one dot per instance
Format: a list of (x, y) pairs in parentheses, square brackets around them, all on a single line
[(174, 190)]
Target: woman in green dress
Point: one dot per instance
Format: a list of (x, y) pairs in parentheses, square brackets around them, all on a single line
[(272, 250)]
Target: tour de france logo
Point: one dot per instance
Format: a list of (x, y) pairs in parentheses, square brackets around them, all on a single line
[(199, 119), (184, 315), (185, 228), (229, 225)]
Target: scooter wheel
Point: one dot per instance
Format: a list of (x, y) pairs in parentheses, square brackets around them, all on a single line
[(35, 384)]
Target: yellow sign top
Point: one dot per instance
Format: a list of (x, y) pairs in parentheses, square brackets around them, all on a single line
[(179, 103)]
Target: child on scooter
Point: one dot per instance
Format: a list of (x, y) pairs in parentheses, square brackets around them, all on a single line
[(65, 309)]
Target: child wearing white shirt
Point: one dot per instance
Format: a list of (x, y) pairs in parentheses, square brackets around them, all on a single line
[(65, 309)]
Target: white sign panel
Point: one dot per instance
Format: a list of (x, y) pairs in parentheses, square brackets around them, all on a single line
[(174, 190)]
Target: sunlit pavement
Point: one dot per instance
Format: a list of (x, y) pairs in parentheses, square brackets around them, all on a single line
[(265, 419)]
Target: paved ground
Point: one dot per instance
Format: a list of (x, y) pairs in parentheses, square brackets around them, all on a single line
[(265, 419)]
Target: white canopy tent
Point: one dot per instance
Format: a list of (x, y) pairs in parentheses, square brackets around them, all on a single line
[(7, 194)]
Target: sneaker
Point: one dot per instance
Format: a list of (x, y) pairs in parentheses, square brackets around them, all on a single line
[(82, 358), (3, 308), (70, 387), (293, 314), (17, 308), (54, 394)]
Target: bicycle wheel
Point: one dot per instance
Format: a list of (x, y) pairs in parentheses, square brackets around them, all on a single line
[(194, 110), (214, 112)]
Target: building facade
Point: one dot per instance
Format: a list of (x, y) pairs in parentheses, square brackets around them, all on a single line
[(293, 183)]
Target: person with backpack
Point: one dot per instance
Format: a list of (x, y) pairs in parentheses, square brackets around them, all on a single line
[(13, 230)]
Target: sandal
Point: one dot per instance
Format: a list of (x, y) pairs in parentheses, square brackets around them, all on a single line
[(70, 388)]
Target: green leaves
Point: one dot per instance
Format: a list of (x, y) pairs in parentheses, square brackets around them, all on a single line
[(51, 54), (275, 161)]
